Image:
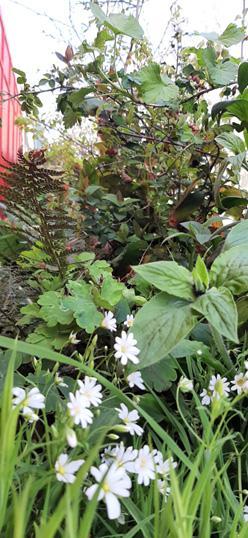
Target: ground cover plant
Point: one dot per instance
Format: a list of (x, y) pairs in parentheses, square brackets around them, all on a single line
[(124, 281)]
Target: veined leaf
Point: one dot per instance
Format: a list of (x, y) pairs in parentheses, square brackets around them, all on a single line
[(155, 87), (223, 73), (160, 325), (218, 307), (232, 35), (231, 141), (120, 24), (230, 270), (168, 276), (237, 236)]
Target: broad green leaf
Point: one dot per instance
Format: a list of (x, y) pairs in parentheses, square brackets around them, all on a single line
[(83, 306), (230, 270), (243, 76), (232, 35), (223, 73), (155, 87), (237, 236), (99, 269), (52, 309), (120, 24), (126, 25), (187, 348), (231, 141), (199, 230), (168, 276), (160, 325), (219, 309), (112, 291), (239, 108), (159, 376)]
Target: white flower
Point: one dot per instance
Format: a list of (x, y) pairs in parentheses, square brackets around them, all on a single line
[(206, 397), (246, 513), (90, 391), (135, 380), (30, 415), (73, 338), (78, 410), (109, 322), (125, 348), (129, 321), (114, 483), (164, 467), (130, 419), (164, 489), (219, 386), (144, 466), (65, 469), (32, 399), (122, 457), (71, 438), (240, 383), (59, 381), (185, 384)]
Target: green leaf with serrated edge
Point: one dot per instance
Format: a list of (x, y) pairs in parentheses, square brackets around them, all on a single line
[(237, 236), (52, 309), (219, 309), (112, 291), (159, 326), (168, 276), (48, 336), (155, 87), (231, 141), (243, 76), (99, 269), (160, 375), (232, 35), (119, 23), (82, 305), (230, 270), (223, 73)]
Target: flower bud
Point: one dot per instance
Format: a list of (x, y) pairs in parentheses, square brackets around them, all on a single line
[(71, 438), (185, 384), (113, 437)]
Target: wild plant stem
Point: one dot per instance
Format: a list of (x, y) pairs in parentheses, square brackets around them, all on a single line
[(219, 342)]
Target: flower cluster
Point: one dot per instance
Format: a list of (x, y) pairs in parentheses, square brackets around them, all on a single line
[(89, 394), (219, 387), (113, 475), (28, 401)]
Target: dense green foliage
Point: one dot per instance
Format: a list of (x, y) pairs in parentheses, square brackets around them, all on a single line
[(149, 224)]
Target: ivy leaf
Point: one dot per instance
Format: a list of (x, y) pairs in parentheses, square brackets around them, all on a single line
[(237, 236), (160, 325), (230, 270), (232, 35), (243, 76), (120, 24), (82, 305), (219, 309), (223, 73), (155, 87), (52, 309), (168, 276)]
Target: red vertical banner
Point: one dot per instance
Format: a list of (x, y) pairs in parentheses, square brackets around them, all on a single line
[(10, 134)]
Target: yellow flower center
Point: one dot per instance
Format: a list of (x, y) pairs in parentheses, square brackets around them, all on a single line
[(219, 387), (61, 470), (123, 348), (142, 462), (240, 382), (105, 487)]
